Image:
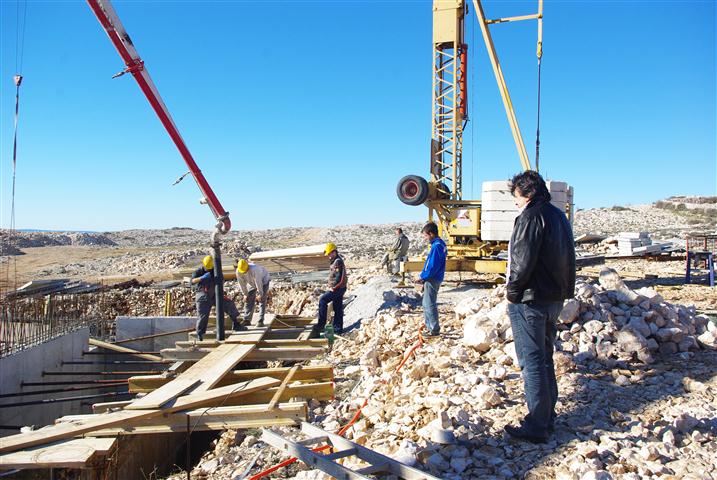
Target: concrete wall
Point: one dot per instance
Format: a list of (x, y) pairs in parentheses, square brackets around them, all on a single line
[(133, 327), (28, 366)]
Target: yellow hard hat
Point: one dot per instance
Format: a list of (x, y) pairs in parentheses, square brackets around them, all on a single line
[(242, 266), (330, 247), (208, 262)]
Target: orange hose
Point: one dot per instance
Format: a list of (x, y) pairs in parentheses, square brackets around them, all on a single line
[(343, 430)]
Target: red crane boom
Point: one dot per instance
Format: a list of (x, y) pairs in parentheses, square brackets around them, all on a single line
[(120, 39)]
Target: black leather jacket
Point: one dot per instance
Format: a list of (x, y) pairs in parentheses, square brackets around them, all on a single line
[(542, 255)]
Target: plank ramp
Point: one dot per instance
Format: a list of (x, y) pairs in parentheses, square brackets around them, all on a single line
[(204, 374)]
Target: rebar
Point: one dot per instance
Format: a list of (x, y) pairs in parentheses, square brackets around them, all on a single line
[(66, 399)]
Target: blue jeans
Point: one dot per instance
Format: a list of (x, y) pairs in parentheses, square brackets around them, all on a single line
[(534, 333), (430, 305), (337, 299)]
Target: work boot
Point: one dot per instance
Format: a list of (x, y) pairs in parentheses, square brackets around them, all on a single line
[(524, 433), (260, 323)]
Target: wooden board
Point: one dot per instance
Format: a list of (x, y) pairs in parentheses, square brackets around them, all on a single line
[(309, 391), (164, 394), (67, 430), (219, 418), (75, 453), (121, 349), (316, 373), (253, 354)]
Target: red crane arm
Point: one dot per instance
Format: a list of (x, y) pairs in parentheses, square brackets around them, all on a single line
[(107, 16)]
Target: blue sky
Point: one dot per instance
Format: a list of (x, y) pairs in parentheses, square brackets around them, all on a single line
[(307, 113)]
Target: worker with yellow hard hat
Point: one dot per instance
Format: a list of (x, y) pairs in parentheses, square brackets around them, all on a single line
[(203, 283), (338, 280), (254, 283)]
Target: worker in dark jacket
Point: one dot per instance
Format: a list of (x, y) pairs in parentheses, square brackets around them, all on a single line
[(338, 280), (397, 252), (541, 264), (431, 277), (203, 283)]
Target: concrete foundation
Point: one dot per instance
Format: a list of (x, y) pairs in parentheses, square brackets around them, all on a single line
[(133, 327), (28, 366)]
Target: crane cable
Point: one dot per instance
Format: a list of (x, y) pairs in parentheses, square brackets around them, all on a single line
[(537, 132), (19, 54), (539, 54)]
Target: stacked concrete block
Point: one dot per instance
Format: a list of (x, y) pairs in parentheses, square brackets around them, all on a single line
[(498, 210), (635, 243)]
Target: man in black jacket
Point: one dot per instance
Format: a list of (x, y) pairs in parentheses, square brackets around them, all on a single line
[(541, 266)]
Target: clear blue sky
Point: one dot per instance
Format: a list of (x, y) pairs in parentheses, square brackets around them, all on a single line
[(307, 113)]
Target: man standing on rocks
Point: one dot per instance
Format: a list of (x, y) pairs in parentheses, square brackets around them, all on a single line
[(203, 283), (398, 251), (254, 283), (431, 277), (541, 264), (338, 280)]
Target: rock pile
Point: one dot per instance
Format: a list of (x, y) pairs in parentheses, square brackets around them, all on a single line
[(607, 321), (19, 239), (444, 410)]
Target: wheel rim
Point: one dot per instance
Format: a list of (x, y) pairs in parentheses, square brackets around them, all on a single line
[(409, 189)]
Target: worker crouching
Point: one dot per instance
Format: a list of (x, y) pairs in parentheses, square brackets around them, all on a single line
[(203, 282), (254, 284), (338, 280)]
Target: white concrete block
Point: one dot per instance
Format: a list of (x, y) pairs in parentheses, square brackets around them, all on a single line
[(554, 186), (496, 195), (498, 215), (496, 185), (559, 197), (622, 235), (493, 204), (496, 235)]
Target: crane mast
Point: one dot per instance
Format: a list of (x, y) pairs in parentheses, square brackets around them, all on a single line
[(459, 219), (448, 97)]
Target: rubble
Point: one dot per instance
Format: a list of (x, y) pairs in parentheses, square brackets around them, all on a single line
[(445, 409)]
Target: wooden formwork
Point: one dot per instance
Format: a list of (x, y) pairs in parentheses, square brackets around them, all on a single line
[(203, 390)]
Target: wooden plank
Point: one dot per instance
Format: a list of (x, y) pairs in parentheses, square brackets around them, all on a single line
[(127, 417), (218, 418), (119, 348), (311, 250), (75, 453), (313, 342), (284, 383), (164, 394), (66, 430), (205, 398), (316, 391), (252, 354), (102, 407), (316, 373)]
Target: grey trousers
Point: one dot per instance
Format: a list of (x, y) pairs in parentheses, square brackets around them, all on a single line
[(204, 307), (250, 302)]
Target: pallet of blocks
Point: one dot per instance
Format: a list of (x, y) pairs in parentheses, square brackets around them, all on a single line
[(204, 391)]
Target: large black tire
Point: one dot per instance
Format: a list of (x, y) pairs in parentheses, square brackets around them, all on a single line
[(412, 190)]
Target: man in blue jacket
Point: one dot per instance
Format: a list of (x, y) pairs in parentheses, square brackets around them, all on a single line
[(431, 277)]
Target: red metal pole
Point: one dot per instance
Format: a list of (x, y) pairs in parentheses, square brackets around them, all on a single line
[(106, 15)]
